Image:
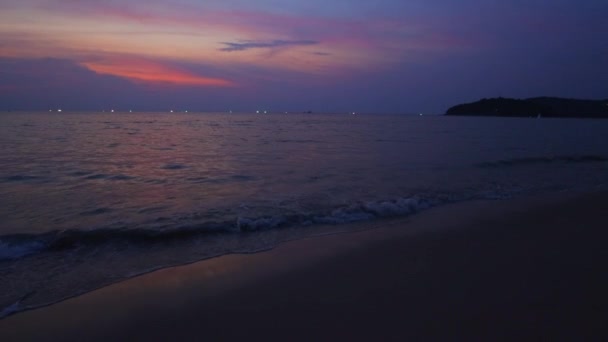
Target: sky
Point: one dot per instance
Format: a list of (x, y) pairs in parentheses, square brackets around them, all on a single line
[(384, 56)]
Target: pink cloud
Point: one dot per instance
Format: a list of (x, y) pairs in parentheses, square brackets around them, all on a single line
[(145, 71)]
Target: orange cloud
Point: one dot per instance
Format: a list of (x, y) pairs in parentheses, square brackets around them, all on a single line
[(143, 71)]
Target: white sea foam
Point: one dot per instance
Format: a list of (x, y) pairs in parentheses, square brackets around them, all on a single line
[(249, 224)]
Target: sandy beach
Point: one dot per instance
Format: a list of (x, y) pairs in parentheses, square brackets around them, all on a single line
[(523, 269)]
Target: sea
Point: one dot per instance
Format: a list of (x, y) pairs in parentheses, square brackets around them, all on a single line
[(88, 199)]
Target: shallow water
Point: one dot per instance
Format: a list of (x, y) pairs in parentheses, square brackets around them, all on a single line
[(91, 198)]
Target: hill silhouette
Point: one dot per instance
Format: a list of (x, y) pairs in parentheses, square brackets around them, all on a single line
[(544, 106)]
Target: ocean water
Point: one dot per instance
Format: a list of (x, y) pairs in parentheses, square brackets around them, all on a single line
[(88, 199)]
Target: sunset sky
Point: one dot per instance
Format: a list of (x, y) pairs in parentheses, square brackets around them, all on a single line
[(372, 56)]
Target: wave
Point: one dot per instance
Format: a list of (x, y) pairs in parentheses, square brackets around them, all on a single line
[(566, 159), (29, 262), (22, 245)]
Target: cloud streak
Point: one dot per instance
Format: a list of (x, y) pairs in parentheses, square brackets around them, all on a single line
[(249, 44), (145, 71)]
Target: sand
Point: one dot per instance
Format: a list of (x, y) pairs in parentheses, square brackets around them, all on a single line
[(524, 269)]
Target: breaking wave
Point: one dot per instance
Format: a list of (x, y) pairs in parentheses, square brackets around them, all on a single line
[(22, 245)]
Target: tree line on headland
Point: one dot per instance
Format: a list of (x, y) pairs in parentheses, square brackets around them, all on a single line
[(553, 107)]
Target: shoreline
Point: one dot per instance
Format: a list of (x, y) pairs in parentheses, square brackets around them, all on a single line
[(430, 277)]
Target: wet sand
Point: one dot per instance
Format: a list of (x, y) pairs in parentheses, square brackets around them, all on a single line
[(525, 269)]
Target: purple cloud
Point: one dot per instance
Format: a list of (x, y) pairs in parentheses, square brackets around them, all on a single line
[(250, 44)]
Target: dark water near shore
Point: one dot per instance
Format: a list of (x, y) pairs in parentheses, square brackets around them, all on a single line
[(87, 199)]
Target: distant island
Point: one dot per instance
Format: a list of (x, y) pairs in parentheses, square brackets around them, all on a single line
[(553, 107)]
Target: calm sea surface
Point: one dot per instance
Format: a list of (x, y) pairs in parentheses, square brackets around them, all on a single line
[(87, 199)]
